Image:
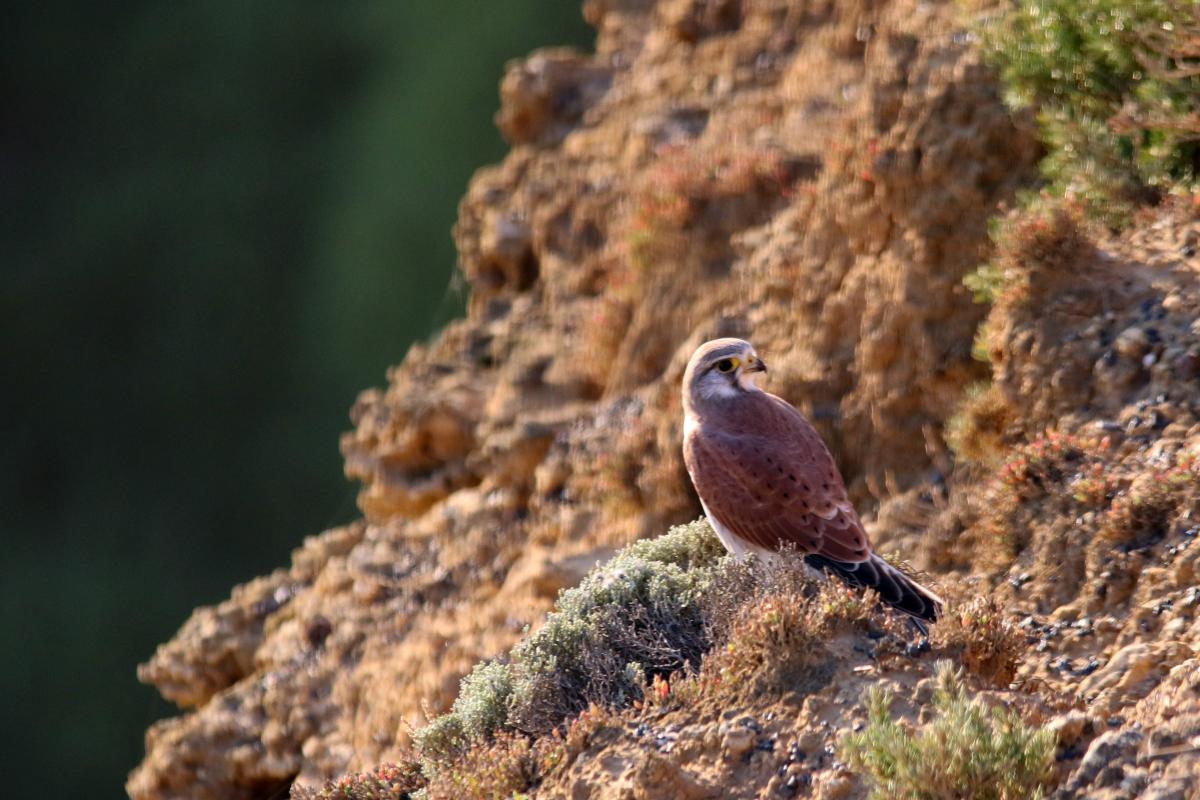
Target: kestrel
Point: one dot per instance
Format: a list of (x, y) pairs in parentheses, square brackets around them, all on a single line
[(767, 481)]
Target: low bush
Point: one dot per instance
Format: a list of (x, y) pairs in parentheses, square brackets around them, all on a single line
[(386, 782), (493, 769), (1145, 513), (509, 764), (667, 621), (1116, 87), (776, 641), (976, 433), (638, 616), (978, 634), (770, 625), (967, 750)]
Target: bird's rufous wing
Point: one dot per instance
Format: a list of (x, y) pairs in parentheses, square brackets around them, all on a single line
[(778, 488)]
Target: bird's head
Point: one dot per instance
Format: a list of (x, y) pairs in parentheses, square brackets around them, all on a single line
[(720, 369)]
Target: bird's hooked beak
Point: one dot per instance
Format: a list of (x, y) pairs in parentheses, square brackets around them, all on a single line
[(751, 366), (755, 364)]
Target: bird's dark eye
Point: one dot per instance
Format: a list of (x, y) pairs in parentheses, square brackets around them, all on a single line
[(725, 365)]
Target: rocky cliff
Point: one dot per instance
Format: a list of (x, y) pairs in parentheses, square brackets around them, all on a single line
[(817, 177)]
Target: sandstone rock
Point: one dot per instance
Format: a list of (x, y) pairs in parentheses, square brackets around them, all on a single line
[(1071, 727), (543, 96), (1103, 764), (1132, 343), (1131, 674), (834, 785), (737, 741)]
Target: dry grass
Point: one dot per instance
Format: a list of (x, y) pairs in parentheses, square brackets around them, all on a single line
[(976, 433), (772, 642), (1143, 515), (772, 627), (509, 764), (493, 769), (1055, 474), (977, 633), (385, 782)]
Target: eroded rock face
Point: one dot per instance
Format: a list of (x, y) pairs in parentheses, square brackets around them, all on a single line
[(815, 176)]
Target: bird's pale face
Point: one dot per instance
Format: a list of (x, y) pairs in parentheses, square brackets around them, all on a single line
[(722, 369)]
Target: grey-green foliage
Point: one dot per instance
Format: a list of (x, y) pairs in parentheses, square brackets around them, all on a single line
[(483, 698), (480, 708), (442, 738), (637, 615), (1116, 89), (967, 750)]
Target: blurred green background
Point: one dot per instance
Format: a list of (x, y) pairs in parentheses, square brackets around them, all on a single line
[(221, 220)]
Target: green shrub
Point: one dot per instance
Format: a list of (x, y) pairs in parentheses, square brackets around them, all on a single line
[(442, 739), (967, 750), (1116, 89), (638, 616), (482, 704), (480, 708)]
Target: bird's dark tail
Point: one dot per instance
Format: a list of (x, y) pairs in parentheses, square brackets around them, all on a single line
[(894, 587)]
